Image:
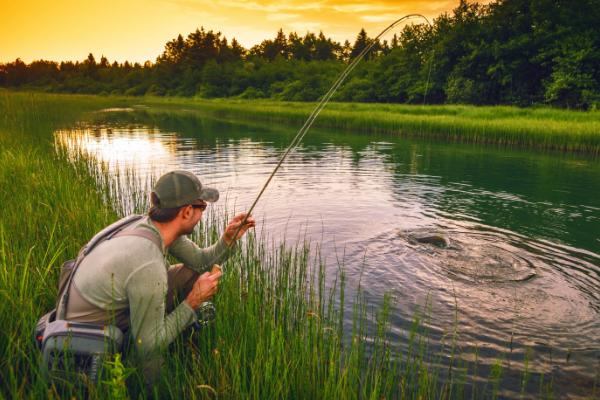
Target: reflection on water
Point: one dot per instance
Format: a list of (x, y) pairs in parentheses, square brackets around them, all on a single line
[(136, 149), (511, 238)]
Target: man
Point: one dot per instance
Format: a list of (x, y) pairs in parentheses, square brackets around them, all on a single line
[(127, 281)]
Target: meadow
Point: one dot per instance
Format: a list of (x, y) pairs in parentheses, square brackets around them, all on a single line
[(280, 332)]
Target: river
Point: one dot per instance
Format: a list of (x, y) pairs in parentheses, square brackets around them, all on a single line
[(502, 244)]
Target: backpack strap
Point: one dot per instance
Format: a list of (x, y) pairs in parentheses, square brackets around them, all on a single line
[(109, 232), (105, 234), (142, 232)]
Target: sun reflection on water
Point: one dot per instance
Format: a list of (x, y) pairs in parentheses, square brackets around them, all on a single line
[(140, 149)]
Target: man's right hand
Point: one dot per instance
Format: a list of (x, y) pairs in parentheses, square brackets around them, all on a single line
[(204, 288)]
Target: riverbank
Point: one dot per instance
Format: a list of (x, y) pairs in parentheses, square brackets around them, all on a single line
[(538, 128), (529, 128), (533, 128), (287, 339)]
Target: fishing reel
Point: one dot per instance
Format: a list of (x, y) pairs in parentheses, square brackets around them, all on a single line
[(206, 314)]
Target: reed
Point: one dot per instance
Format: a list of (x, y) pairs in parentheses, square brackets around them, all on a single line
[(280, 332), (49, 208)]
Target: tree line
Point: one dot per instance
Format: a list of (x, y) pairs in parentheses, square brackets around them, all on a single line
[(520, 52)]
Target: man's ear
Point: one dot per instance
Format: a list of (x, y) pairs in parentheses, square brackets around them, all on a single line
[(185, 212)]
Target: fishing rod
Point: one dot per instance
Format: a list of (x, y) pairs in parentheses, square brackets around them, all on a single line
[(317, 110), (207, 311)]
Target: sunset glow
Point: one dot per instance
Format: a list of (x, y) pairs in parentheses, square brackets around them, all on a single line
[(137, 30)]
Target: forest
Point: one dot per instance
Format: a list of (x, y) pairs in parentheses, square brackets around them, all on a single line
[(508, 52)]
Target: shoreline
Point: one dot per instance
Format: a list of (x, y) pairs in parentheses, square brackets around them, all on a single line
[(536, 128)]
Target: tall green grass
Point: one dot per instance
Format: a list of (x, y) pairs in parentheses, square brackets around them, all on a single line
[(48, 209), (536, 128), (280, 332)]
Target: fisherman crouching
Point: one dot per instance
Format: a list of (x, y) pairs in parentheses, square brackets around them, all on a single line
[(124, 279)]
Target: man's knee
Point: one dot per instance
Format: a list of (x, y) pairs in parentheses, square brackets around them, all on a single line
[(180, 280), (180, 277)]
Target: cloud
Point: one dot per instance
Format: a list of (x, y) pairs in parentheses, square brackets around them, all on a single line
[(282, 16), (305, 26), (325, 7), (337, 19), (137, 29), (379, 18), (358, 8), (264, 6)]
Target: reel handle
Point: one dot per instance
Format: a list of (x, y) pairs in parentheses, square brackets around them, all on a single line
[(215, 268), (207, 312)]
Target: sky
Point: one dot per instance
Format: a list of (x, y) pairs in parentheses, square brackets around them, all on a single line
[(137, 30)]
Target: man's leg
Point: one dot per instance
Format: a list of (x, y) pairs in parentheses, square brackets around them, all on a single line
[(180, 280)]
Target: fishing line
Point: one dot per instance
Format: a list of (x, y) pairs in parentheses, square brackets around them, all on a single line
[(322, 103), (428, 76)]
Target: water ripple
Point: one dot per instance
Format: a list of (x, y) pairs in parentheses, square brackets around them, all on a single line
[(508, 248)]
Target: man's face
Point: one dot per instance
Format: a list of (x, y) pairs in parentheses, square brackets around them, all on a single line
[(192, 216)]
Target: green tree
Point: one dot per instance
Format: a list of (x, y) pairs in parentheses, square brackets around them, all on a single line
[(572, 82), (361, 42), (90, 66), (271, 49), (346, 51), (325, 48), (174, 51)]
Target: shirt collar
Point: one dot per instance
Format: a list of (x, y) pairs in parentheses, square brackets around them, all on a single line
[(148, 222)]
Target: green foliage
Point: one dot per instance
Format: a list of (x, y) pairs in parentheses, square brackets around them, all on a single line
[(252, 93), (572, 82), (49, 208), (461, 90), (117, 373), (357, 89), (517, 52)]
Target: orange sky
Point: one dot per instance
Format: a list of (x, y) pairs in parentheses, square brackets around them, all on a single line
[(137, 30)]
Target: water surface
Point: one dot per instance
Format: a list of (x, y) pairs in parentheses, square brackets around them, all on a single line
[(509, 238)]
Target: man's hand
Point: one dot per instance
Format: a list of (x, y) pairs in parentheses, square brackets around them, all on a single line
[(234, 225), (204, 288)]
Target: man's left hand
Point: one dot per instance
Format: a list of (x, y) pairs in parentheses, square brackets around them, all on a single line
[(234, 225)]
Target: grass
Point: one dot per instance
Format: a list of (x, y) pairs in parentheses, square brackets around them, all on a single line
[(280, 333), (48, 209), (539, 128), (535, 128)]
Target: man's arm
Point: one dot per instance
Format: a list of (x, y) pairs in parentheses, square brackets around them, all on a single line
[(146, 288), (200, 260)]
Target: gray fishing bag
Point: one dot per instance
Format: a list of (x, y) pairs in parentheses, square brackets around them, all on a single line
[(71, 349)]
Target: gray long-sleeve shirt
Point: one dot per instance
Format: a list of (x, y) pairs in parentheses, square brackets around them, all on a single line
[(127, 276)]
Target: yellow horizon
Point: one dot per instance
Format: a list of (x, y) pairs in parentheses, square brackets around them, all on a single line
[(137, 30)]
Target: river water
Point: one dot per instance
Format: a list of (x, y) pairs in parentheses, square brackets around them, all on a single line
[(502, 244)]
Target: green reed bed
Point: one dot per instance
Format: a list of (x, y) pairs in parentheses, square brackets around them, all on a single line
[(280, 330), (48, 209), (53, 205), (541, 128)]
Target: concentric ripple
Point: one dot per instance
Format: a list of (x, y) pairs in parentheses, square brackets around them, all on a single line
[(504, 246), (473, 258)]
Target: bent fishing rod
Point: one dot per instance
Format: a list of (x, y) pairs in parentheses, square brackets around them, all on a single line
[(315, 113)]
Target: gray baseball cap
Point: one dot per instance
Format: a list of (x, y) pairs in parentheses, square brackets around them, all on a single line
[(179, 188)]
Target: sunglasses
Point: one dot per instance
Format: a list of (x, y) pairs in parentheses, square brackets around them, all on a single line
[(200, 206)]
